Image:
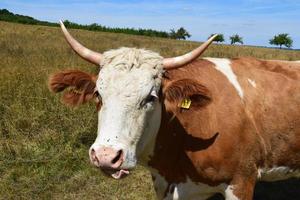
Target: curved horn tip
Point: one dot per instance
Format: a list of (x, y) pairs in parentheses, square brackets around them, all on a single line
[(85, 53), (61, 23), (214, 36), (179, 61)]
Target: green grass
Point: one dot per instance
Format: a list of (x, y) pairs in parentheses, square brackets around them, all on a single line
[(44, 144)]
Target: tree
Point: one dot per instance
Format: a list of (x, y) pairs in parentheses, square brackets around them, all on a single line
[(282, 39), (173, 34), (236, 39), (181, 33), (219, 38)]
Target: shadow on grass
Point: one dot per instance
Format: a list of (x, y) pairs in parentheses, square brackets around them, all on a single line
[(279, 190)]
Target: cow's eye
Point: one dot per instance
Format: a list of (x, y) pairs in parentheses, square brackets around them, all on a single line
[(97, 95), (152, 96), (149, 99)]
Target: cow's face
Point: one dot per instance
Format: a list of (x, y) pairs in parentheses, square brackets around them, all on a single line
[(128, 88)]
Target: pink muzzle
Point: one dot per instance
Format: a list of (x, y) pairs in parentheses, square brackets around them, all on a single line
[(106, 157), (109, 160)]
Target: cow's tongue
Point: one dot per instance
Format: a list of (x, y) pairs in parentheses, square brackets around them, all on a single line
[(119, 174)]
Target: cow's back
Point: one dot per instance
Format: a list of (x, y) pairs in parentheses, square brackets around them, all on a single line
[(272, 101)]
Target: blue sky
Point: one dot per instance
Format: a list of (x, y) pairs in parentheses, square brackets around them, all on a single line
[(255, 20)]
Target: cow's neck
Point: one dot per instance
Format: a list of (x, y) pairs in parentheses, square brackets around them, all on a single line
[(169, 157), (166, 148)]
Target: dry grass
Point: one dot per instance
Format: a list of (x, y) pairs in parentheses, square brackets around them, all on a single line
[(44, 144)]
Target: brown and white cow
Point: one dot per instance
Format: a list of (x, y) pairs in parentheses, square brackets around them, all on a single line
[(202, 127)]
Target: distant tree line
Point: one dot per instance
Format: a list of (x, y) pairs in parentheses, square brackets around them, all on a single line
[(5, 15), (181, 33), (280, 40)]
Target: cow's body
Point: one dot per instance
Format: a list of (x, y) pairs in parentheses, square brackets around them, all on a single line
[(239, 123), (250, 131)]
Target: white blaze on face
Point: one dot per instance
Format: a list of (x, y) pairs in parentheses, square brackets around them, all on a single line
[(130, 114)]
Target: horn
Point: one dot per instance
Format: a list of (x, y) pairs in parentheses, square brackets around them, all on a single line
[(82, 51), (176, 62)]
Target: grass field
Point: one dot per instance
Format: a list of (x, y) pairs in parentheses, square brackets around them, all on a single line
[(44, 144)]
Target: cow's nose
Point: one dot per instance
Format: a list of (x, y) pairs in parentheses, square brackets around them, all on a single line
[(106, 157)]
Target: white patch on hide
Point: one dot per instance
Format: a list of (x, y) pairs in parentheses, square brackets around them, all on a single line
[(277, 173), (194, 191), (229, 193), (223, 65), (252, 82)]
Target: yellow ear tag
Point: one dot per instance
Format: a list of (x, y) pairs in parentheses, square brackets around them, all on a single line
[(186, 103)]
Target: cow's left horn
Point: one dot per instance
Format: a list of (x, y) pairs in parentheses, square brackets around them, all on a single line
[(82, 51), (176, 62)]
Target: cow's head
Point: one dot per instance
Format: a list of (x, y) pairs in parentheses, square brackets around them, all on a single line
[(128, 88)]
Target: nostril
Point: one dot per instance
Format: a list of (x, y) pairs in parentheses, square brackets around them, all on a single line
[(118, 157), (93, 155), (93, 152)]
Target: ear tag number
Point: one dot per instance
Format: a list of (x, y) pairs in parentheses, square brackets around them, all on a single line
[(186, 103)]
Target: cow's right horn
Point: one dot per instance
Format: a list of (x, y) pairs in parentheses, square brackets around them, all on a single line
[(176, 62), (82, 51)]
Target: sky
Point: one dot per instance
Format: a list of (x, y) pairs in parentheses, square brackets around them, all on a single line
[(256, 21)]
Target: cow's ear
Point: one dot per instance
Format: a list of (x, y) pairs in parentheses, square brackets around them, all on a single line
[(185, 92), (79, 86)]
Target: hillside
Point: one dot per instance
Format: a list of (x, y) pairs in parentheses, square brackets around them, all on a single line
[(44, 144)]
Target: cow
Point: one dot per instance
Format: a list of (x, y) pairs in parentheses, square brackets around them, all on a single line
[(201, 126)]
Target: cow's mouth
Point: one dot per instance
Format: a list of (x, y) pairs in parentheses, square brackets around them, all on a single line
[(117, 174)]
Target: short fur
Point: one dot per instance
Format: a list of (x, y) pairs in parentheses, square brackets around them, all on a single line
[(260, 131), (124, 59), (177, 91)]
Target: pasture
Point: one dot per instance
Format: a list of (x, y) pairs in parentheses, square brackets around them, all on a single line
[(44, 144)]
